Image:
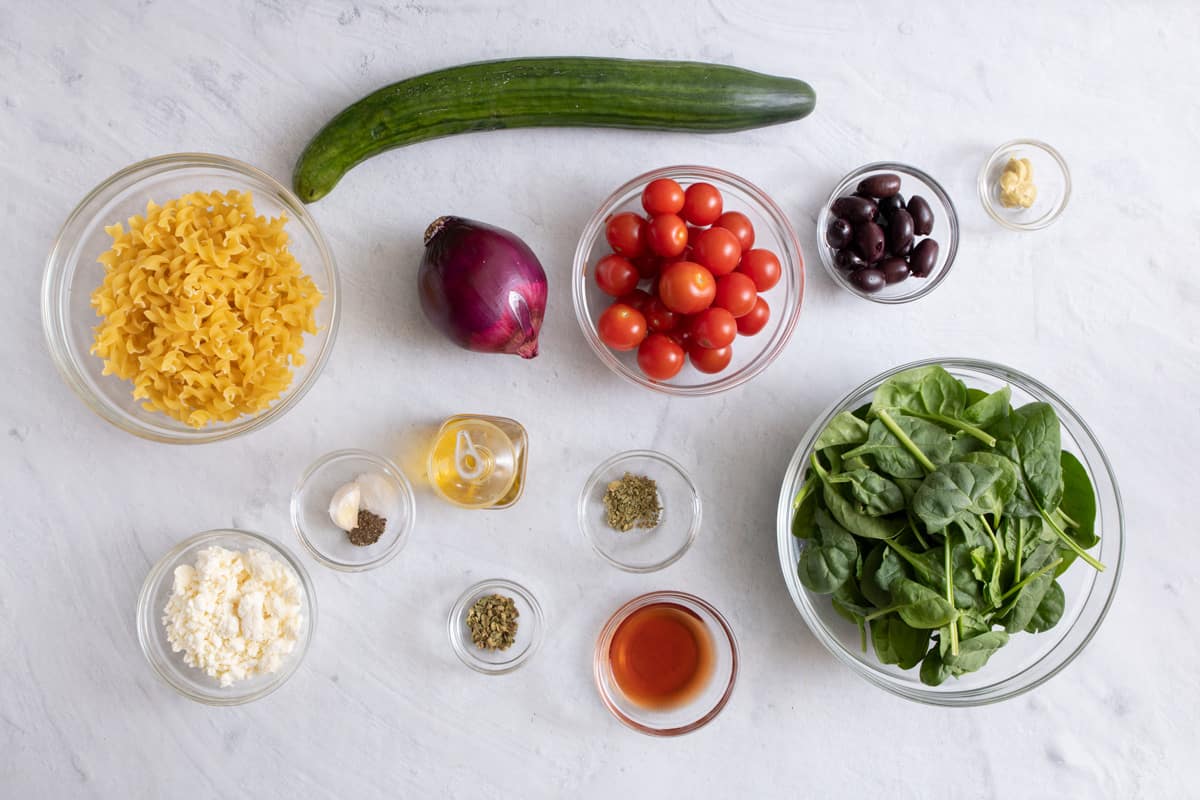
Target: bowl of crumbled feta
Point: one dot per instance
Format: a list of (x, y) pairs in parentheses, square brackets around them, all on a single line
[(226, 616)]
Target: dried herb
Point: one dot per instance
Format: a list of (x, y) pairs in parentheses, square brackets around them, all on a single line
[(368, 530), (493, 622), (632, 502)]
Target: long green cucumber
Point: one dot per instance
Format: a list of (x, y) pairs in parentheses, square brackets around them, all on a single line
[(547, 92)]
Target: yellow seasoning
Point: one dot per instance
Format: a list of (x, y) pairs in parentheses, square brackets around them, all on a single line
[(1017, 189)]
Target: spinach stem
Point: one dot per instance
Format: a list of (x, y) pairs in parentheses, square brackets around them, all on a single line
[(959, 425), (997, 557), (1067, 519), (1020, 552), (1021, 584), (908, 443), (908, 556), (950, 592), (1069, 542), (802, 495)]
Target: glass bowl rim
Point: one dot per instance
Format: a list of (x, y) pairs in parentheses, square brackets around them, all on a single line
[(939, 192), (407, 499), (619, 616), (459, 646), (145, 620), (593, 479), (54, 287), (967, 697), (792, 259), (984, 188)]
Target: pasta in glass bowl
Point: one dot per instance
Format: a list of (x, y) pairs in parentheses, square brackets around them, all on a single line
[(190, 298)]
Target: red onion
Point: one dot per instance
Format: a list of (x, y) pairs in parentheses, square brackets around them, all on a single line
[(482, 287)]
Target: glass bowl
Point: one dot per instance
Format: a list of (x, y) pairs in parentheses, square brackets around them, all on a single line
[(698, 711), (72, 273), (190, 682), (328, 543), (945, 232), (1050, 175), (1028, 660), (641, 549), (751, 354), (531, 625)]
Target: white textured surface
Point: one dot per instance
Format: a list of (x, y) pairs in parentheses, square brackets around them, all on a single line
[(1102, 306)]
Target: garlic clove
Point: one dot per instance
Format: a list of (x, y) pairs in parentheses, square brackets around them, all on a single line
[(343, 508)]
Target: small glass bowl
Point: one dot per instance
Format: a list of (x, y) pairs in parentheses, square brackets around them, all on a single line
[(72, 273), (190, 682), (945, 232), (1050, 175), (328, 543), (751, 354), (694, 714), (531, 625), (1028, 660), (642, 549)]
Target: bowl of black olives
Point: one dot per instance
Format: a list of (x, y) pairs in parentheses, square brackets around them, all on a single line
[(888, 233)]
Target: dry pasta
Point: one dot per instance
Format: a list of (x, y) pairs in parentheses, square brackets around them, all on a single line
[(203, 308)]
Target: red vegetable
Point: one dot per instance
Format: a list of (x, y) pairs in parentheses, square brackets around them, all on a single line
[(482, 287)]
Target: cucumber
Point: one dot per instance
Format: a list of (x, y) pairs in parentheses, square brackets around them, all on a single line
[(547, 92)]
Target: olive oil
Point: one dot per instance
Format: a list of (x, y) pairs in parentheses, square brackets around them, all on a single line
[(662, 656), (478, 461)]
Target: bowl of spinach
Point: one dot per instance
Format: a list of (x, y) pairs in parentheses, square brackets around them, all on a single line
[(951, 530)]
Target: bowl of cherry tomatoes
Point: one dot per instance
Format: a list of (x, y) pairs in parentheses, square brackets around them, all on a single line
[(688, 280)]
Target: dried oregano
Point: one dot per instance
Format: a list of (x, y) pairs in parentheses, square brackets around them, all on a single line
[(493, 622), (632, 502)]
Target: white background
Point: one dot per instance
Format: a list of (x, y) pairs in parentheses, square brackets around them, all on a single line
[(1102, 306)]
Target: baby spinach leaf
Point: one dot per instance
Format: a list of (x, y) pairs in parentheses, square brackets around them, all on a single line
[(844, 429), (828, 557), (805, 504), (874, 590), (974, 652), (953, 490), (1028, 599), (897, 642), (892, 457), (1031, 437), (929, 390), (934, 671), (858, 523), (877, 495), (849, 602), (1079, 501), (1049, 611), (1000, 495), (920, 606), (988, 410)]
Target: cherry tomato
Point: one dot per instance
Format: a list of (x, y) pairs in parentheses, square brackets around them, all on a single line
[(736, 294), (682, 332), (702, 204), (686, 287), (756, 320), (714, 327), (626, 234), (662, 196), (647, 265), (621, 327), (667, 235), (660, 357), (616, 275), (638, 299), (739, 224), (710, 359), (718, 250), (763, 268), (659, 318)]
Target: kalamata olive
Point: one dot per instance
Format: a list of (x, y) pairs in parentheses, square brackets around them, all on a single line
[(924, 258), (855, 209), (846, 258), (839, 233), (894, 269), (900, 232), (869, 241), (922, 215), (885, 184), (890, 205), (869, 280)]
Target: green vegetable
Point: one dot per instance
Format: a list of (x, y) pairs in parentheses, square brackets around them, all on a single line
[(547, 92), (827, 558), (958, 538)]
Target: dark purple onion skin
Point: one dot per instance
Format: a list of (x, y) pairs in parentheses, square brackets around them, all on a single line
[(482, 287)]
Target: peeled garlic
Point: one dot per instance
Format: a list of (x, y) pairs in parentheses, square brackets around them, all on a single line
[(343, 508)]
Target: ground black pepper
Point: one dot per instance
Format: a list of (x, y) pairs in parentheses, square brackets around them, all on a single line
[(368, 530)]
